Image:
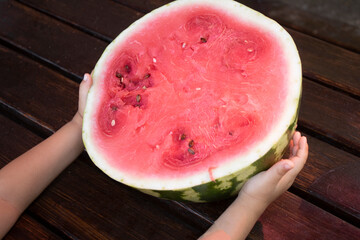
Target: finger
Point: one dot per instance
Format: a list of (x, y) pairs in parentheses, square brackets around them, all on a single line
[(278, 170), (296, 138), (300, 158), (294, 150), (303, 151)]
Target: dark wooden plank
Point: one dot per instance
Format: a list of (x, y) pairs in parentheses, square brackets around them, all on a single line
[(38, 94), (143, 5), (49, 39), (318, 224), (315, 97), (28, 228), (83, 203), (322, 61), (317, 18), (105, 18), (328, 63), (290, 217), (331, 177), (331, 20), (331, 114)]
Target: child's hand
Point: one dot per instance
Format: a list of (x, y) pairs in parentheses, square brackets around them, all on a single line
[(258, 192), (266, 186), (83, 92)]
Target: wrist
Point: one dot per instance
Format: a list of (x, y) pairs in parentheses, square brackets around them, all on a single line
[(77, 120), (251, 204)]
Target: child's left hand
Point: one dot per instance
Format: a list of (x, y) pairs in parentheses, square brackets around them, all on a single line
[(83, 92)]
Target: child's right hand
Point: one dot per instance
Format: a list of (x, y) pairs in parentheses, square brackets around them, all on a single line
[(267, 186), (258, 192)]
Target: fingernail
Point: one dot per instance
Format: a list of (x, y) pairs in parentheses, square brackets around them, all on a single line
[(86, 77)]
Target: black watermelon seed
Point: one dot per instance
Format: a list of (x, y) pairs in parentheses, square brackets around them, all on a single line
[(182, 137), (118, 75), (203, 40), (191, 151)]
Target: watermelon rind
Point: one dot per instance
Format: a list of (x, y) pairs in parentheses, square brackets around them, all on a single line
[(228, 178)]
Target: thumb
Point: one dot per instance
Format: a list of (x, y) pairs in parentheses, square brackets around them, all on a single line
[(278, 170), (83, 92)]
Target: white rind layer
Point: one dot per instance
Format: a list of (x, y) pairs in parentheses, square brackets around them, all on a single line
[(237, 162)]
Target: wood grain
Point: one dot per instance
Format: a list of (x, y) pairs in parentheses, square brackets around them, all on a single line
[(328, 63), (319, 224), (330, 177), (103, 18), (143, 5), (330, 113), (28, 228), (48, 39), (317, 18), (36, 91), (290, 217)]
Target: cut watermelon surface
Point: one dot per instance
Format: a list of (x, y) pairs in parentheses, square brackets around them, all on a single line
[(193, 99)]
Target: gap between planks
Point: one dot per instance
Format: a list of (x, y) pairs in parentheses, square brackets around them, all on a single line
[(326, 206)]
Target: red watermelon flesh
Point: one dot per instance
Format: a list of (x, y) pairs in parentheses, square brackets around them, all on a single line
[(200, 78)]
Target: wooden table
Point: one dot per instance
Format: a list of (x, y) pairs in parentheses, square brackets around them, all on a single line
[(47, 45)]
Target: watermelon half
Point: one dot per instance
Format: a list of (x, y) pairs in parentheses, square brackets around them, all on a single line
[(193, 99)]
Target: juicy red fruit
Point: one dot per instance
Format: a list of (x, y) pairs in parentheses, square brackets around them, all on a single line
[(176, 94)]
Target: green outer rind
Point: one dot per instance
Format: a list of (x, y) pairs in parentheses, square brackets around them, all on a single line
[(230, 185)]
